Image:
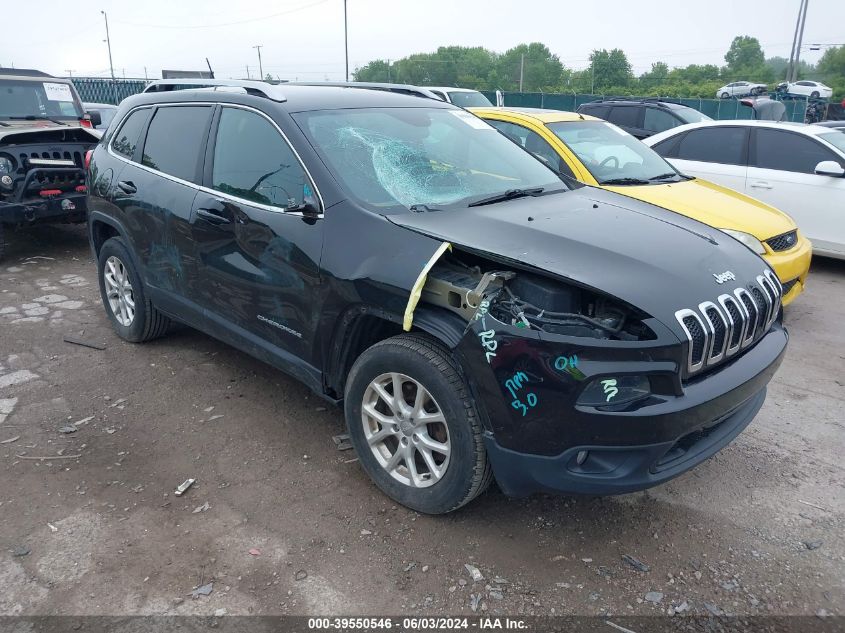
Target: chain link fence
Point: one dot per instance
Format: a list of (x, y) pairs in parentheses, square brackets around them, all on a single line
[(98, 90), (714, 108)]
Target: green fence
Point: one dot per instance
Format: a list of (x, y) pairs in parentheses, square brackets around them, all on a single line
[(714, 108), (97, 90)]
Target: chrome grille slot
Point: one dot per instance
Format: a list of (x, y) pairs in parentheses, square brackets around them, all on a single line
[(698, 337), (736, 323), (718, 330)]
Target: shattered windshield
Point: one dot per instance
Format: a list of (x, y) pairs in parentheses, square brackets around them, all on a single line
[(21, 99), (433, 157), (612, 155)]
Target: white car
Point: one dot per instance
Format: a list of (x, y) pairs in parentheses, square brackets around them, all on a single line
[(461, 97), (812, 89), (797, 168), (741, 89)]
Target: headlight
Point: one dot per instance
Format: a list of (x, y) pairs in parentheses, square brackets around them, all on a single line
[(610, 391), (749, 240), (6, 166)]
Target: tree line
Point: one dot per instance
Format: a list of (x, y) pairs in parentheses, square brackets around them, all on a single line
[(609, 71)]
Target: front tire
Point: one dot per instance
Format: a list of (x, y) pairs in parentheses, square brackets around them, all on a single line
[(132, 314), (424, 449), (725, 95), (815, 94)]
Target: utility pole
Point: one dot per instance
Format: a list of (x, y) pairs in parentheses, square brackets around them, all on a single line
[(346, 39), (260, 66), (388, 71), (800, 39), (111, 65), (521, 70), (247, 72), (789, 66), (69, 73), (145, 74)]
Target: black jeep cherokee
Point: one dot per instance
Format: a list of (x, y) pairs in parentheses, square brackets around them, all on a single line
[(476, 316), (43, 141)]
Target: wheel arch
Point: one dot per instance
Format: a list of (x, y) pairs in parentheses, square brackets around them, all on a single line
[(361, 327)]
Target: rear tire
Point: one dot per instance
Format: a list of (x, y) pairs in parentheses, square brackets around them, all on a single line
[(132, 315), (424, 451), (725, 95), (815, 94)]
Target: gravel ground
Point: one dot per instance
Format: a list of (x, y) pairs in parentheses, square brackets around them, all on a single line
[(280, 522)]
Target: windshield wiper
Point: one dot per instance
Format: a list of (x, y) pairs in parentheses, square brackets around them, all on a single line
[(624, 181), (510, 194), (665, 176)]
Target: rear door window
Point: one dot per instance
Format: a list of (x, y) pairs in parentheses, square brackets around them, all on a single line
[(175, 139), (788, 151), (626, 116), (724, 145)]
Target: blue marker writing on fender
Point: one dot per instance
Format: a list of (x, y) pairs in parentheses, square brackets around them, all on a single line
[(562, 363), (514, 385)]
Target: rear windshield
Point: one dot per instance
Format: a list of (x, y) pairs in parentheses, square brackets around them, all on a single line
[(38, 100), (469, 100)]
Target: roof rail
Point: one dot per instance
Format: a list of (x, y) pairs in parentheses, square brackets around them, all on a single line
[(273, 92), (406, 89), (640, 100)]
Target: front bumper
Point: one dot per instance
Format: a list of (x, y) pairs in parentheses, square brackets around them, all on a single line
[(792, 267), (628, 448), (65, 208)]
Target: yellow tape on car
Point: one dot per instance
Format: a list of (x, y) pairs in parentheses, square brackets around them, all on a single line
[(416, 290)]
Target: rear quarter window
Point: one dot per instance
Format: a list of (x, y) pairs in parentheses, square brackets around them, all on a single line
[(126, 139)]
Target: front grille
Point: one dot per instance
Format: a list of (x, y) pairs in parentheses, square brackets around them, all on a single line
[(788, 286), (783, 242), (716, 331)]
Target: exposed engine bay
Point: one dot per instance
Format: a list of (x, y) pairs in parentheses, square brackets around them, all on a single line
[(460, 282)]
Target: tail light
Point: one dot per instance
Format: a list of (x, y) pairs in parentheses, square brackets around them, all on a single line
[(88, 155), (85, 121)]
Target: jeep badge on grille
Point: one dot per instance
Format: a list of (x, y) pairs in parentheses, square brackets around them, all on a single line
[(723, 277)]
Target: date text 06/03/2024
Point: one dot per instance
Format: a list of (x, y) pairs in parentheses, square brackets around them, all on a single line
[(416, 623)]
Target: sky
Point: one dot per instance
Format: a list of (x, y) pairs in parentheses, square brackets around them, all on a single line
[(303, 39)]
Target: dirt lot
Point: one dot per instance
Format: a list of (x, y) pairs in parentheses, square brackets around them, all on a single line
[(293, 525)]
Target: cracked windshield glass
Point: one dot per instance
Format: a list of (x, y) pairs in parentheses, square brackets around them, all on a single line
[(398, 158)]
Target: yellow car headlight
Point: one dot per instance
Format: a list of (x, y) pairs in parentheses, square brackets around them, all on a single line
[(746, 238)]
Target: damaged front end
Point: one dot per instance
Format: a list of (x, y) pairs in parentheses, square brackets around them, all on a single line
[(585, 387)]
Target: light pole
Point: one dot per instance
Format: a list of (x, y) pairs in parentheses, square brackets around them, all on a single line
[(260, 67), (111, 65), (346, 39)]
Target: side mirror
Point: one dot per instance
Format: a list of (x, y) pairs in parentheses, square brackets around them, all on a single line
[(310, 207), (96, 119), (830, 168)]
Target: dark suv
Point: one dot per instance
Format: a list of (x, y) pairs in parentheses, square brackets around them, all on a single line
[(475, 316), (44, 134), (642, 117)]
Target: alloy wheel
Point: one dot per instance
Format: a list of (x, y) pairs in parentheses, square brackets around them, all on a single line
[(119, 291), (406, 430)]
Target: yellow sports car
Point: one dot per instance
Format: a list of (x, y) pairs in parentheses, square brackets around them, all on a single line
[(598, 153)]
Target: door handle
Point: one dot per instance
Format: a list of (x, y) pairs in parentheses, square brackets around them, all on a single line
[(127, 186), (214, 213), (760, 184)]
